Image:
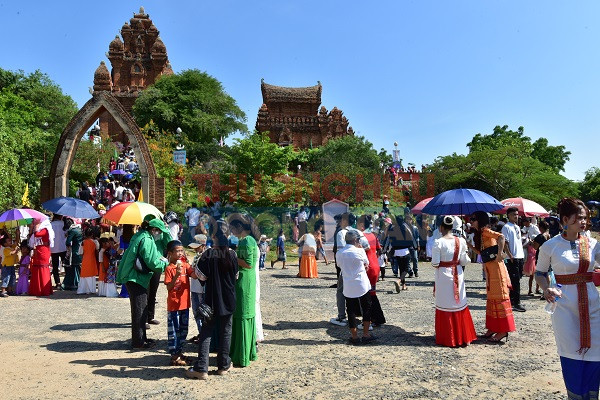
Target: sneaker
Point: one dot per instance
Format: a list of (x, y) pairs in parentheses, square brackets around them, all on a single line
[(3, 294), (224, 371), (360, 327), (410, 275), (339, 322), (519, 308), (416, 274), (192, 374), (154, 322)]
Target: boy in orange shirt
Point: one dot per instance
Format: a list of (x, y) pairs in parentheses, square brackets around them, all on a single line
[(177, 279)]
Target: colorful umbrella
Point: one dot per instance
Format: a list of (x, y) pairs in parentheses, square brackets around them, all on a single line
[(527, 208), (131, 213), (118, 172), (461, 202), (71, 207), (19, 216), (418, 209)]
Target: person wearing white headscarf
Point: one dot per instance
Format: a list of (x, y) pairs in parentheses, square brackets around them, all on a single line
[(40, 241)]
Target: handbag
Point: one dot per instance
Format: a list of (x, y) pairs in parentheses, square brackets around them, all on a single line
[(596, 277), (204, 313), (139, 265), (489, 254)]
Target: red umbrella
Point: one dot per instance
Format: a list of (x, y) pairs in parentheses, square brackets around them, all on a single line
[(418, 209), (527, 208)]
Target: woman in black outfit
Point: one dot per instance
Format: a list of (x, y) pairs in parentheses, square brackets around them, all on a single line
[(218, 267)]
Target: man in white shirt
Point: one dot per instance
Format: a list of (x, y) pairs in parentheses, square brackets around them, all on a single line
[(192, 216), (514, 248), (119, 191), (354, 263)]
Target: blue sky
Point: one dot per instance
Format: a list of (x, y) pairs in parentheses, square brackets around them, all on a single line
[(428, 74)]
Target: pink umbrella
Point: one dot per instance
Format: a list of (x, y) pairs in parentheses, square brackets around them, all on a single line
[(527, 208), (418, 209)]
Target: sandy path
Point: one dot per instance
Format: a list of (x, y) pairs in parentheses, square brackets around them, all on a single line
[(76, 347)]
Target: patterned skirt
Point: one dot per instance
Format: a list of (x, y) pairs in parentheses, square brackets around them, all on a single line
[(499, 316)]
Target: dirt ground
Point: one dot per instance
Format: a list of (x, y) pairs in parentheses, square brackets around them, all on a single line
[(69, 346)]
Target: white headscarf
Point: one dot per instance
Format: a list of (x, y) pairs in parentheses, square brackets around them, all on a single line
[(45, 224)]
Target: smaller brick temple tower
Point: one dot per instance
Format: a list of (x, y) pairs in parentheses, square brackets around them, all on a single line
[(292, 117), (137, 61)]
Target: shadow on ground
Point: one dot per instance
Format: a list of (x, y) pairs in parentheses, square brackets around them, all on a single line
[(388, 335), (88, 325)]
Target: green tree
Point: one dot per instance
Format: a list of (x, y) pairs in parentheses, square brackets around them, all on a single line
[(502, 137), (33, 113), (553, 156), (497, 165), (198, 104), (590, 187)]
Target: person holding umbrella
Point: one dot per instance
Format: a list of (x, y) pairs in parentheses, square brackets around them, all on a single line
[(142, 250)]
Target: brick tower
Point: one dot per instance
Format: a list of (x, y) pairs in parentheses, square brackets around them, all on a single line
[(137, 60)]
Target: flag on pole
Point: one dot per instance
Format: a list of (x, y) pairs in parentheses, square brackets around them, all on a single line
[(25, 198), (140, 196)]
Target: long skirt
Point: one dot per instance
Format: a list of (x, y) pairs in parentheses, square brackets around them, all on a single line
[(243, 341), (377, 316), (111, 290), (454, 328), (40, 284), (499, 316), (582, 378), (71, 279), (101, 289), (23, 284), (87, 285), (529, 267), (308, 267)]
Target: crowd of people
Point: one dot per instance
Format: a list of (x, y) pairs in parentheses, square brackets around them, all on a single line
[(222, 285)]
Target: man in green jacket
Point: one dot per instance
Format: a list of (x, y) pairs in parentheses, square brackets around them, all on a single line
[(142, 247)]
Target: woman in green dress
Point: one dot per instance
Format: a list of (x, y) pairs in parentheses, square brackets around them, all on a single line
[(243, 335), (74, 240)]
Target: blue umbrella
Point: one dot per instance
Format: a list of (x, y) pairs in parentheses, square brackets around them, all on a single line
[(118, 172), (461, 202), (71, 207)]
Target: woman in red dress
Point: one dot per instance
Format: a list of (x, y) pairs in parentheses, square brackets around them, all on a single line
[(365, 224), (41, 241)]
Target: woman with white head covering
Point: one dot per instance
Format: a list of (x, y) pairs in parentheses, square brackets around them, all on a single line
[(41, 240)]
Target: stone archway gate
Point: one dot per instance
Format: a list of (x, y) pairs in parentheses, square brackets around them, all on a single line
[(57, 184)]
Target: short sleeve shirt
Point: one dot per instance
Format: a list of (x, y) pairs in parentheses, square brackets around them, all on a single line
[(352, 261), (178, 298), (512, 233)]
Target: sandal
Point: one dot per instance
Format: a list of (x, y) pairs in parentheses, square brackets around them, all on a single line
[(354, 342), (176, 361)]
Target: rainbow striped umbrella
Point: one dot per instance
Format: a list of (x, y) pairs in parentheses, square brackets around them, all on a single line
[(131, 213), (19, 216)]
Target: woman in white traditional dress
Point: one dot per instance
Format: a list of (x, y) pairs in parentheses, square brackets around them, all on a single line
[(453, 322), (576, 319)]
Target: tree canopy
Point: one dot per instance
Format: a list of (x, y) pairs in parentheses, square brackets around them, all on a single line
[(195, 102), (33, 113), (506, 164), (590, 187)]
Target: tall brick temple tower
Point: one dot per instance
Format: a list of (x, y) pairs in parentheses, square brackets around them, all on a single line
[(292, 117), (137, 61)]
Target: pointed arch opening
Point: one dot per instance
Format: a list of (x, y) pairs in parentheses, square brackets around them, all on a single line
[(57, 183)]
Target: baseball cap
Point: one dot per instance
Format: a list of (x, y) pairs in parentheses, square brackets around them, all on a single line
[(199, 240)]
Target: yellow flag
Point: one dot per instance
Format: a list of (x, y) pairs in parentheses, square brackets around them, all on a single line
[(140, 196), (25, 199)]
